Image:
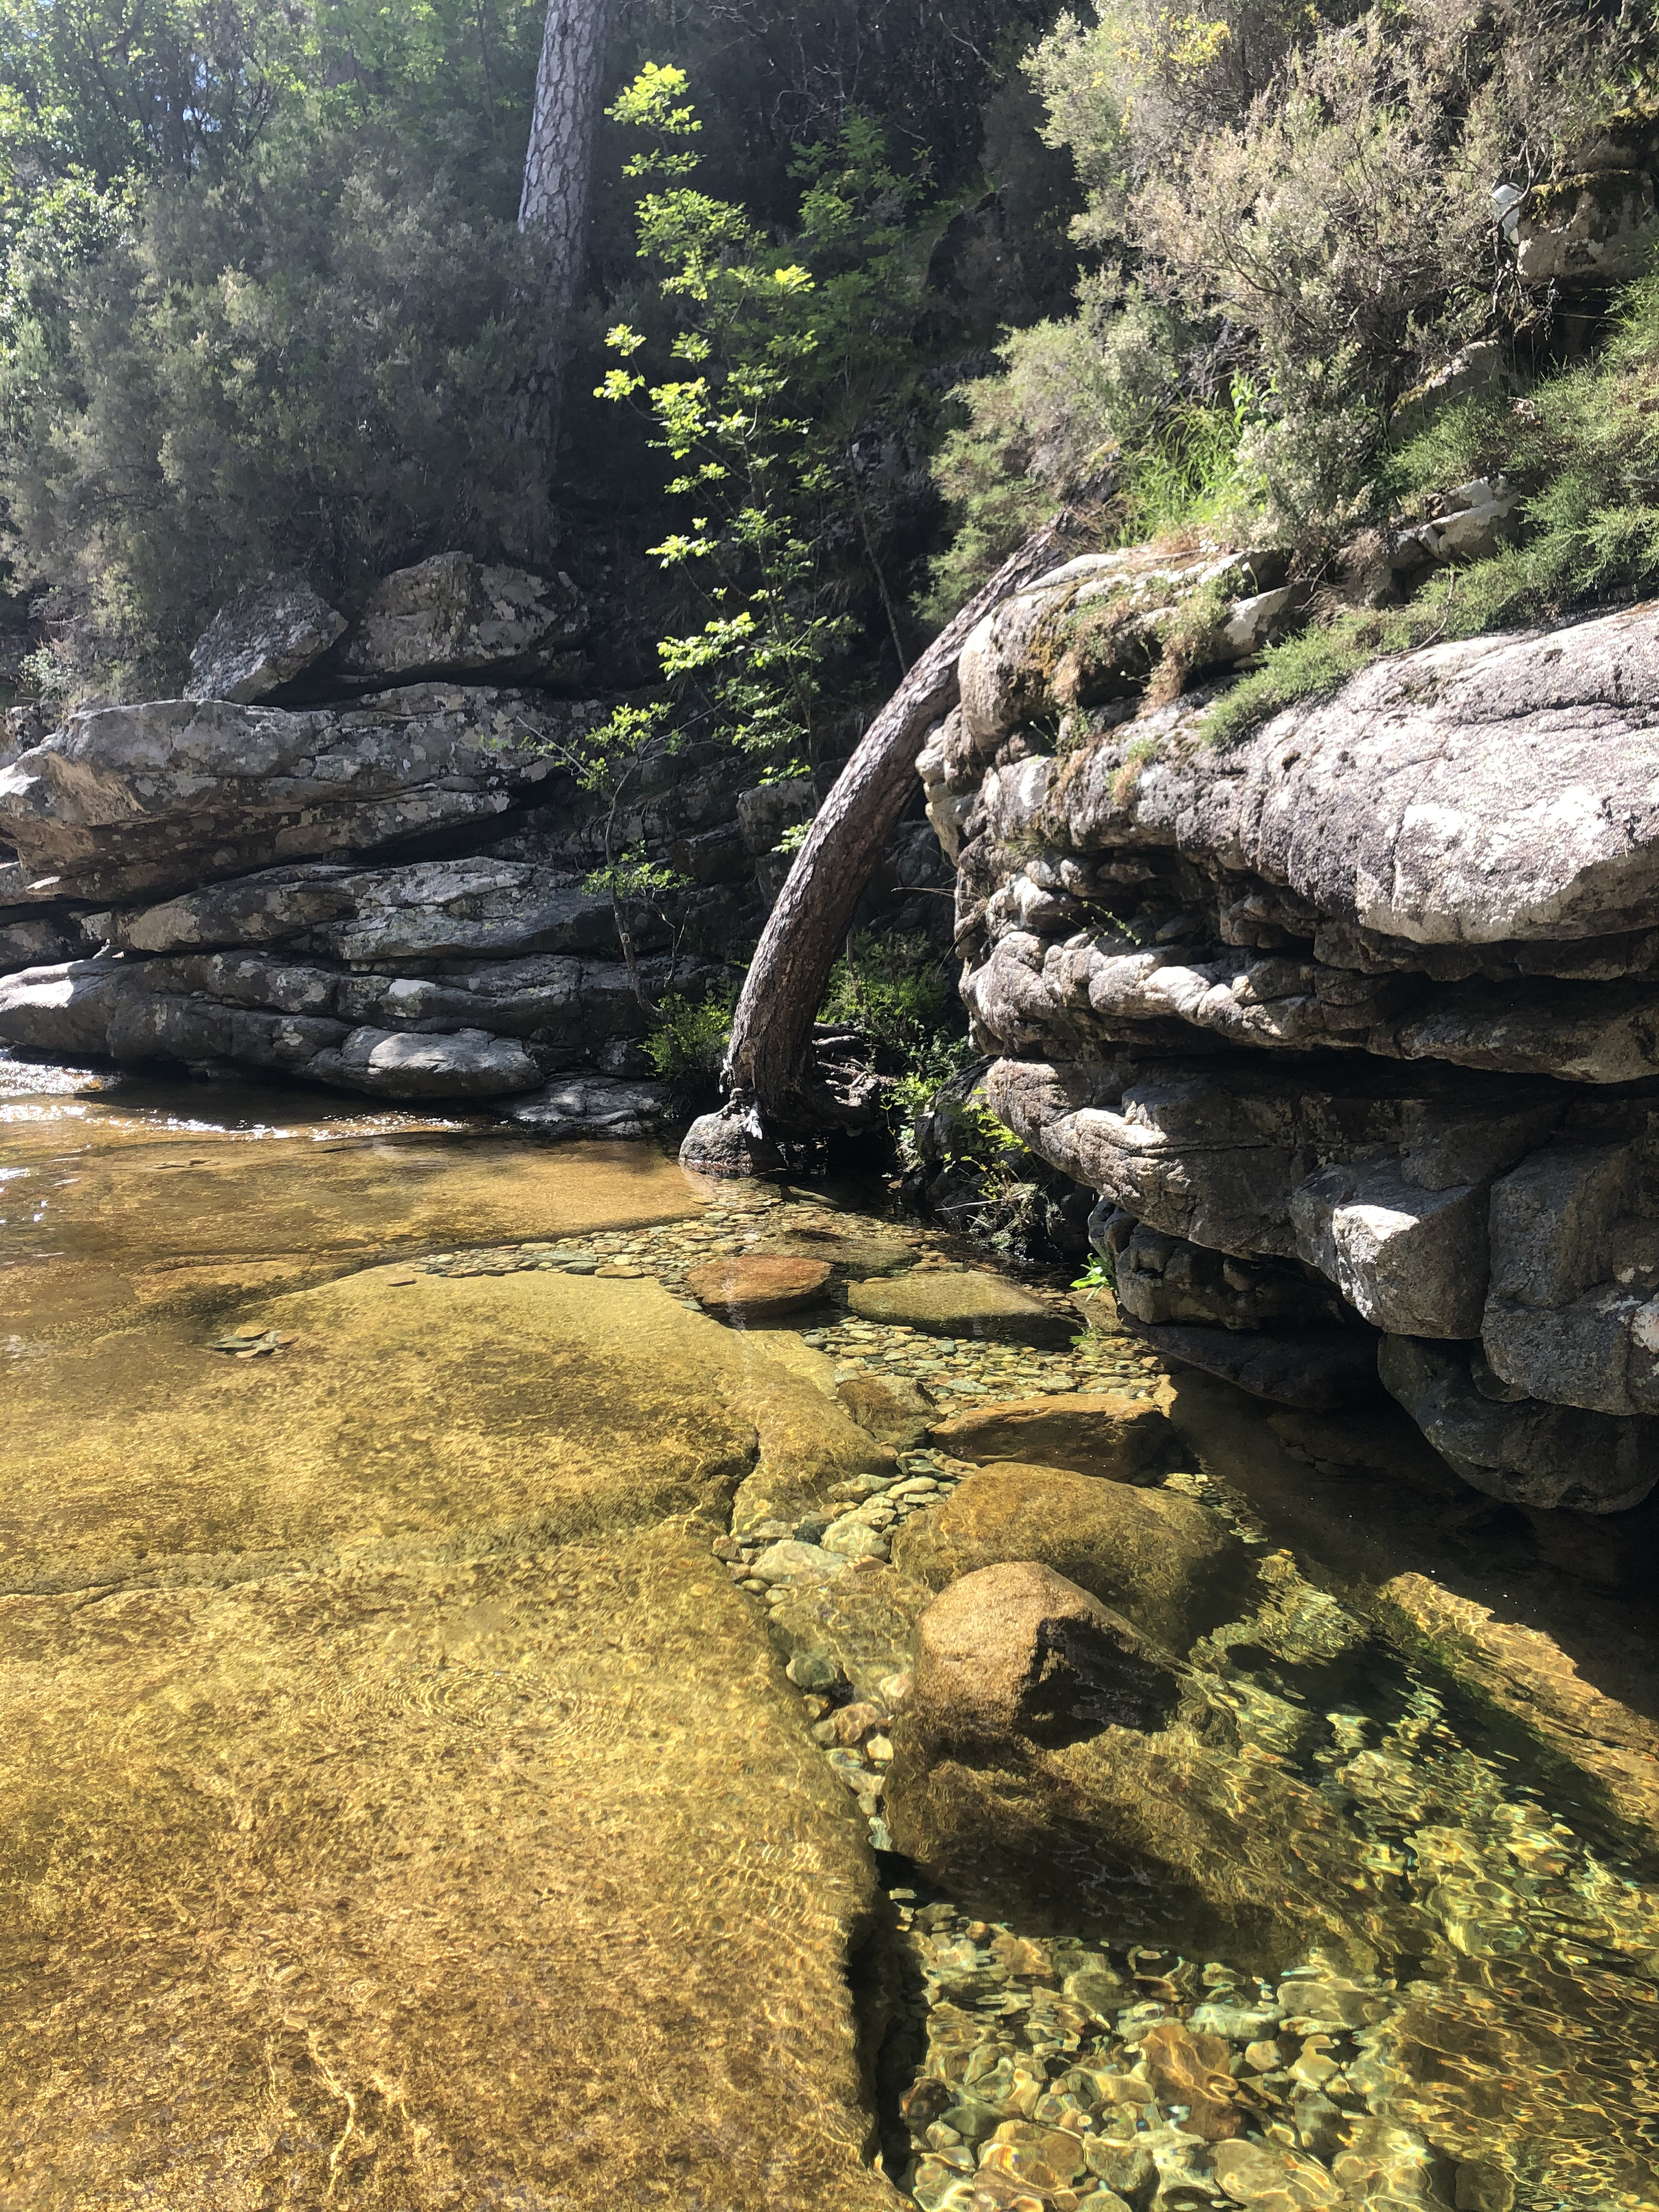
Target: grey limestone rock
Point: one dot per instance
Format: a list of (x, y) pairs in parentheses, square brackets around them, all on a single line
[(1522, 1449), (1317, 1371), (127, 802), (455, 616), (1485, 790), (586, 1105), (395, 1064), (1165, 1279), (1369, 999), (261, 641), (37, 940), (422, 910)]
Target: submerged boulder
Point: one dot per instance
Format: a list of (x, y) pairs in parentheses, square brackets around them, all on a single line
[(957, 1302), (1166, 1562), (756, 1286), (1093, 1433), (1052, 1764), (1015, 1651)]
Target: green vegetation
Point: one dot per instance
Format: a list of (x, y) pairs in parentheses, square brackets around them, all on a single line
[(263, 307), (258, 301), (1582, 450), (777, 346), (1291, 226), (688, 1043)]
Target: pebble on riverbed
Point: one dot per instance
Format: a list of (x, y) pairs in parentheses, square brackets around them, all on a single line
[(1089, 2077)]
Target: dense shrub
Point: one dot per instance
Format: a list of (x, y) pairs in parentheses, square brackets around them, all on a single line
[(1305, 197), (1583, 446), (310, 365)]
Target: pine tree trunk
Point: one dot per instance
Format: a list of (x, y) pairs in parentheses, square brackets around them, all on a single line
[(771, 1085), (553, 209)]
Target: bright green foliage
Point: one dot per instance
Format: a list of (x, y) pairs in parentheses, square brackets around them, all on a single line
[(608, 762), (777, 348), (898, 992), (895, 989), (687, 1044)]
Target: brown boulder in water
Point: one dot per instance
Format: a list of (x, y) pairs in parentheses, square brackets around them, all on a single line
[(755, 1285), (1016, 1651), (1104, 1433), (1170, 1565)]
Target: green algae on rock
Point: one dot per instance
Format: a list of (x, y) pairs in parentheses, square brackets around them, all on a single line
[(947, 1301)]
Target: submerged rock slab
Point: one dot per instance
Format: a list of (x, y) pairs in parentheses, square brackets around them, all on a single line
[(397, 1798), (952, 1301), (1103, 1434), (568, 1405), (448, 1881)]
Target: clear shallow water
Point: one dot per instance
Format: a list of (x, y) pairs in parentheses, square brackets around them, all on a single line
[(1505, 2051)]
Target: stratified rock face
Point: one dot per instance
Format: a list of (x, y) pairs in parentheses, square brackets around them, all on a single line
[(261, 641), (459, 978), (453, 615), (1358, 1017), (128, 803)]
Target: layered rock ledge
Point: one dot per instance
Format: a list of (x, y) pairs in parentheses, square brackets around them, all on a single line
[(356, 854), (1352, 1026)]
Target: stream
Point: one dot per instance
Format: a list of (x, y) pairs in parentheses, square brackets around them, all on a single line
[(215, 1301)]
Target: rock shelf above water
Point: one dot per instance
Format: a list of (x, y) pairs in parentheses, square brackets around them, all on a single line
[(1352, 1025)]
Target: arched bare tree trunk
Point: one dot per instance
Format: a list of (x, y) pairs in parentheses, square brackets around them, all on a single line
[(558, 167), (769, 1080)]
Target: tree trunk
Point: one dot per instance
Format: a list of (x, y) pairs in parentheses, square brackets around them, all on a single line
[(769, 1080), (558, 165)]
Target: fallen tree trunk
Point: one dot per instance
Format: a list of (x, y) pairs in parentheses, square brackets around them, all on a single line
[(772, 1089)]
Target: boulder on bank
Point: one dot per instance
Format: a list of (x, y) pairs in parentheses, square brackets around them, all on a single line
[(1102, 1434), (128, 803), (586, 1105), (261, 641), (458, 616), (1164, 1561)]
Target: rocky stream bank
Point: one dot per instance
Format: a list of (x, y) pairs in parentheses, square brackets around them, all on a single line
[(358, 855)]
